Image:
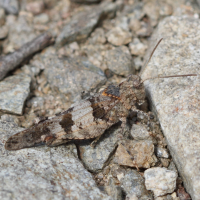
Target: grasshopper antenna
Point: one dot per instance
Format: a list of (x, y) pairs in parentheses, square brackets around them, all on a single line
[(162, 76)]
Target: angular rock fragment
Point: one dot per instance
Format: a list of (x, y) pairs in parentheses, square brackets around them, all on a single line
[(13, 92), (117, 36), (11, 7), (69, 76), (119, 61), (139, 154), (133, 184), (82, 24), (160, 180), (139, 132), (95, 158)]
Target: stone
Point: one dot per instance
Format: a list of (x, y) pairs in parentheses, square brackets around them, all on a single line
[(145, 30), (22, 31), (3, 32), (113, 190), (117, 36), (82, 24), (11, 7), (161, 152), (119, 61), (139, 132), (35, 7), (134, 25), (72, 76), (133, 184), (2, 16), (137, 48), (86, 1), (139, 154), (165, 9), (138, 63), (95, 158), (13, 93), (160, 180), (41, 19), (175, 100), (98, 36), (43, 172), (151, 9)]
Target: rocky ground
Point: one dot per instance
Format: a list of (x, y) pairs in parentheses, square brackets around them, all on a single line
[(53, 53)]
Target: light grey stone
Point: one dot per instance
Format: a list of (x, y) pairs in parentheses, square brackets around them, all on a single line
[(175, 100), (137, 48), (161, 152), (13, 92), (3, 32), (41, 19), (118, 36), (10, 6), (133, 184), (22, 31), (95, 158), (119, 61), (43, 173), (160, 180), (82, 24), (72, 76), (139, 132), (2, 16)]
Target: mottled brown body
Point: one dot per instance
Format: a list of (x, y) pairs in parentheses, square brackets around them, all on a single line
[(86, 119)]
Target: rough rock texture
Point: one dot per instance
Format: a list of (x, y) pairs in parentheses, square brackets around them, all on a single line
[(10, 7), (13, 92), (119, 61), (138, 154), (70, 76), (133, 184), (160, 180), (43, 173), (95, 159), (82, 24), (176, 100)]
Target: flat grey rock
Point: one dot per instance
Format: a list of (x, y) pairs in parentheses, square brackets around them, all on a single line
[(72, 76), (43, 173), (176, 100), (119, 61), (133, 184), (95, 158), (11, 6), (82, 24), (13, 92)]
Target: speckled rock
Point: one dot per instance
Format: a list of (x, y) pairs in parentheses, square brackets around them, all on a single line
[(86, 1), (139, 154), (13, 92), (160, 180), (82, 24), (119, 61), (43, 173), (176, 100), (22, 31), (118, 36), (161, 152), (133, 184), (72, 76), (2, 16), (41, 19), (3, 32), (35, 7), (95, 158), (137, 48), (11, 7), (139, 132)]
